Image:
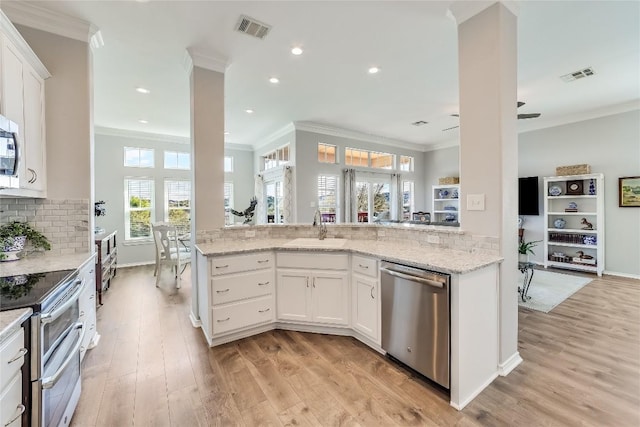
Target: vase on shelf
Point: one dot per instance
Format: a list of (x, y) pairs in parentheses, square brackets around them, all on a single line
[(592, 187)]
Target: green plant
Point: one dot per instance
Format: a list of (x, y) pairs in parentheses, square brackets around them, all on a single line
[(526, 247), (14, 229)]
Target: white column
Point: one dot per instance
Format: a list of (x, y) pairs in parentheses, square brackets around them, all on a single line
[(207, 151), (487, 49)]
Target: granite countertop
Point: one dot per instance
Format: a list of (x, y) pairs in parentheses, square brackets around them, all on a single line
[(42, 263), (442, 260), (11, 321)]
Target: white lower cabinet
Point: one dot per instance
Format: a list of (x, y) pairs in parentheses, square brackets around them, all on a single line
[(87, 304), (365, 297), (12, 357), (318, 295)]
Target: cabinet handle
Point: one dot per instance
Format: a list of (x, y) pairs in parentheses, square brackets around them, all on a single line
[(363, 266), (313, 282), (264, 311), (18, 356), (263, 261), (21, 408), (372, 297), (34, 176), (223, 291), (307, 281), (263, 284), (222, 266), (223, 320)]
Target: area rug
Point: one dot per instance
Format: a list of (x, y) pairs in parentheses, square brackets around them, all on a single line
[(549, 289)]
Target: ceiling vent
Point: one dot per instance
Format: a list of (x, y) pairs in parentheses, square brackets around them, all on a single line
[(252, 27), (419, 123), (576, 75)]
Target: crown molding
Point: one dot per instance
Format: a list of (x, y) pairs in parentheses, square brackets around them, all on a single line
[(38, 17), (286, 129), (22, 46), (126, 133), (208, 61), (238, 147), (352, 134), (442, 145)]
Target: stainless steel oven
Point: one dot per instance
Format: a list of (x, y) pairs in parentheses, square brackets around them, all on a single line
[(56, 335)]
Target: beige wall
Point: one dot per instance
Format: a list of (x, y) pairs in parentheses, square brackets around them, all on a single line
[(68, 112)]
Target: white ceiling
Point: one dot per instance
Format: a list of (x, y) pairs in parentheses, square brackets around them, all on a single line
[(414, 43)]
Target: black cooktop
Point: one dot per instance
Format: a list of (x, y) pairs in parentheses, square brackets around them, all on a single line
[(31, 290)]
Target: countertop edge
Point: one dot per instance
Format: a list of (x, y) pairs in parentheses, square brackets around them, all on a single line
[(11, 321)]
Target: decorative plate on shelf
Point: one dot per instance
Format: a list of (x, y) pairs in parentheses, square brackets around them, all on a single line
[(554, 190), (559, 223)]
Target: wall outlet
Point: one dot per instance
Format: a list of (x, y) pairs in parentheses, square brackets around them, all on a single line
[(475, 202), (433, 239), (250, 233)]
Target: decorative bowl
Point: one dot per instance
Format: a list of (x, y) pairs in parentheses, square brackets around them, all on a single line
[(554, 190), (443, 194), (559, 223)]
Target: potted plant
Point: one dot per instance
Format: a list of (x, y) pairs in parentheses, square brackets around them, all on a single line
[(14, 235), (525, 248)]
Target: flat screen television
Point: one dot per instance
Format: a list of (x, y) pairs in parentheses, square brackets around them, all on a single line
[(528, 196)]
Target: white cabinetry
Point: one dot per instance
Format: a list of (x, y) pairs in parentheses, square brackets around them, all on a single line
[(313, 287), (240, 289), (12, 357), (22, 78), (574, 221), (365, 297), (88, 306), (446, 203)]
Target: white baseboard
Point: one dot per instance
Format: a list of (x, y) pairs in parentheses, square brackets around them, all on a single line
[(195, 322), (510, 364), (460, 405), (627, 275), (135, 264)]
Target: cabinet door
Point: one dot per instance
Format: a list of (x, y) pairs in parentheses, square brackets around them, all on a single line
[(33, 146), (330, 295), (12, 86), (365, 306), (294, 295)]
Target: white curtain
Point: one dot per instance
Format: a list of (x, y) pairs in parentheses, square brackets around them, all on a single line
[(288, 195), (396, 196), (349, 194), (260, 213)]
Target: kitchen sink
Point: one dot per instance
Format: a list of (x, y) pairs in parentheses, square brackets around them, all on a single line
[(311, 242)]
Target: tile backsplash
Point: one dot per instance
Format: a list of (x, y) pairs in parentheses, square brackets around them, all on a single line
[(64, 222)]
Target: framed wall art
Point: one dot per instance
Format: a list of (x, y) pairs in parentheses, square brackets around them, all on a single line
[(629, 191)]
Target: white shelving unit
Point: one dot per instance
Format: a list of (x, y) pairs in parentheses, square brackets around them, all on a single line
[(562, 243), (446, 203)]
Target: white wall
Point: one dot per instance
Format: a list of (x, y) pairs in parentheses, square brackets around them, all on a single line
[(611, 145), (309, 168), (109, 181)]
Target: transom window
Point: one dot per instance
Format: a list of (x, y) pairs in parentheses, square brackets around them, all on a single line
[(381, 160), (406, 163), (327, 153), (368, 159), (275, 158), (138, 157), (177, 160), (355, 157), (138, 207), (228, 163)]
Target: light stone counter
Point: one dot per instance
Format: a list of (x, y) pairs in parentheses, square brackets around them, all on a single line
[(442, 260), (42, 263), (11, 321)]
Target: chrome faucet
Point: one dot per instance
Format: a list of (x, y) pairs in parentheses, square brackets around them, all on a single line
[(317, 221)]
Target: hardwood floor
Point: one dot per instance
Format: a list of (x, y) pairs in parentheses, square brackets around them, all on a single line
[(581, 368)]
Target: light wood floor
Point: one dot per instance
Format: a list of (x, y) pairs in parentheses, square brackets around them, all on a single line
[(581, 368)]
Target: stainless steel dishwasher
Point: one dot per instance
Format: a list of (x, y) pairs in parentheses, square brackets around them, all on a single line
[(415, 319)]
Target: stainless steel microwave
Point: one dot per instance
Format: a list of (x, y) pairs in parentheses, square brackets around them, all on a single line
[(9, 154)]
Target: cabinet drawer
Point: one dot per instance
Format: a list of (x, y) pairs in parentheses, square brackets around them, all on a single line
[(234, 287), (365, 266), (239, 263), (11, 357), (242, 314), (314, 260), (11, 408)]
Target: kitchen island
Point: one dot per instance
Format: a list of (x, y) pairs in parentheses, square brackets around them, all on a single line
[(281, 267)]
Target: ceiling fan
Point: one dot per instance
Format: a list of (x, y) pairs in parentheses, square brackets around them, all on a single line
[(521, 116)]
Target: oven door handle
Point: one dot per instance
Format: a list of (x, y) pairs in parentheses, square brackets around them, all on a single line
[(53, 315), (51, 381)]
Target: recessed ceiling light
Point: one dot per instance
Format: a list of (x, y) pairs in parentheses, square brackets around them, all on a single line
[(250, 111), (296, 50), (143, 121), (142, 90), (274, 80), (374, 70)]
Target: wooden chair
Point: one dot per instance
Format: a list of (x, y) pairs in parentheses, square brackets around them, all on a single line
[(169, 251)]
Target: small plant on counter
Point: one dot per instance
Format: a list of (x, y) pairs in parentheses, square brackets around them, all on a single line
[(13, 235)]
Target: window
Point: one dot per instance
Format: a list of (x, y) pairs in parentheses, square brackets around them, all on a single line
[(327, 197), (138, 208), (355, 157), (276, 158), (228, 203), (408, 202), (381, 160), (327, 153), (138, 157), (177, 204), (177, 160), (228, 164), (274, 197), (406, 163), (372, 198)]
